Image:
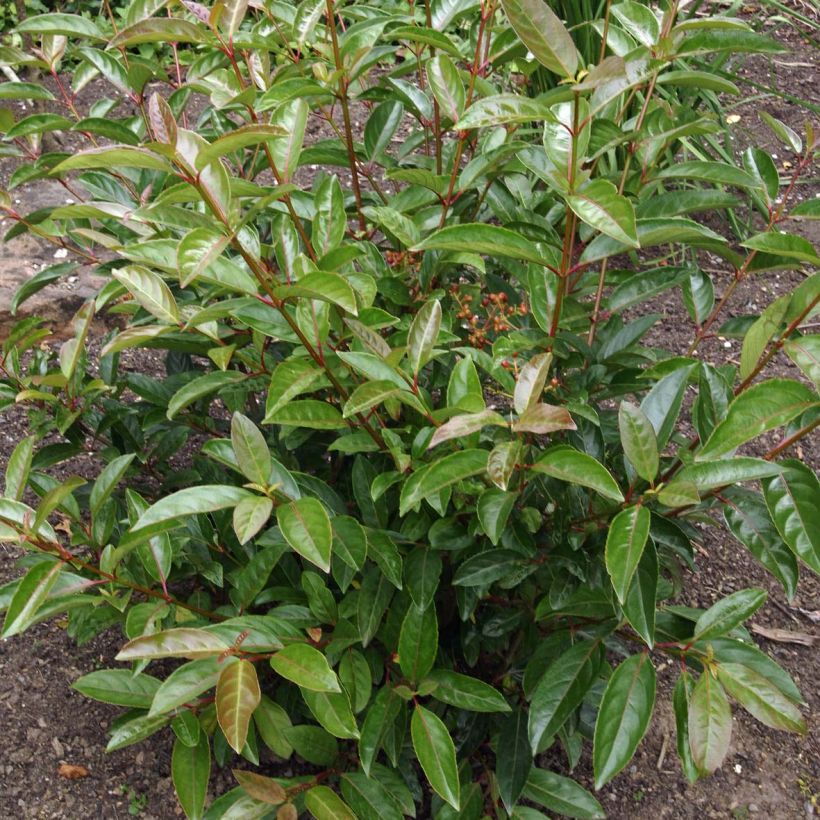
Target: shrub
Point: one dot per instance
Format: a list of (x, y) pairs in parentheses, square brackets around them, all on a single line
[(413, 495)]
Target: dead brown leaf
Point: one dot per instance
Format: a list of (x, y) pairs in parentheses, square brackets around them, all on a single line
[(784, 635), (71, 771)]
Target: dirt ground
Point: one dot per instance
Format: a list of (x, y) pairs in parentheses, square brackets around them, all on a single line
[(45, 723)]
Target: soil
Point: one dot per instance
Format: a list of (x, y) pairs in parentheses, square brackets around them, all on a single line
[(46, 724)]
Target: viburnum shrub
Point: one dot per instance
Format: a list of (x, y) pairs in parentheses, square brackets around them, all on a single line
[(410, 496)]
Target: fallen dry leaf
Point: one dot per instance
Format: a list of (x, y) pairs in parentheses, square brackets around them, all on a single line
[(71, 772), (784, 635)]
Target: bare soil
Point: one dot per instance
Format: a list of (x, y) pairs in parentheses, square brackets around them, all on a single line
[(45, 723)]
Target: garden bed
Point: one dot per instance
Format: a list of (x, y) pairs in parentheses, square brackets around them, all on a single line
[(46, 724)]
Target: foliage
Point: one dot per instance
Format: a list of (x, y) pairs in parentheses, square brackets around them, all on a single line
[(414, 493)]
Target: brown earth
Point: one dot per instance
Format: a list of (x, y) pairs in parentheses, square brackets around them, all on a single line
[(45, 723)]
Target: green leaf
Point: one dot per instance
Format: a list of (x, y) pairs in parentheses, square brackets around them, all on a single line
[(493, 509), (760, 698), (38, 124), (310, 413), (37, 282), (561, 690), (191, 771), (514, 758), (250, 515), (748, 519), (369, 798), (167, 512), (118, 686), (762, 407), (465, 692), (731, 650), (783, 244), (680, 702), (159, 30), (29, 596), (201, 387), (111, 156), (292, 117), (543, 33), (486, 567), (639, 605), (322, 802), (436, 753), (728, 613), (182, 642), (238, 139), (718, 173), (272, 722), (623, 716), (332, 710), (638, 440), (710, 474), (422, 570), (251, 449), (305, 525), (186, 683), (133, 731), (440, 474), (423, 333), (492, 240), (69, 25), (447, 87), (306, 667), (574, 467), (18, 468), (600, 205), (562, 795), (809, 209), (805, 353), (237, 695), (785, 134), (107, 480), (793, 499), (625, 544), (418, 642), (377, 724), (662, 403), (349, 541), (710, 724), (24, 91)]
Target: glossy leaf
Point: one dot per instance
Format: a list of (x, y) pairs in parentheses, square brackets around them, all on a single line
[(465, 692), (638, 440), (762, 407), (728, 613), (793, 499), (440, 474), (562, 795), (190, 772), (514, 758), (574, 467), (561, 690), (625, 542), (436, 753), (623, 716), (601, 206), (543, 33), (305, 525), (760, 698), (306, 667), (710, 723)]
